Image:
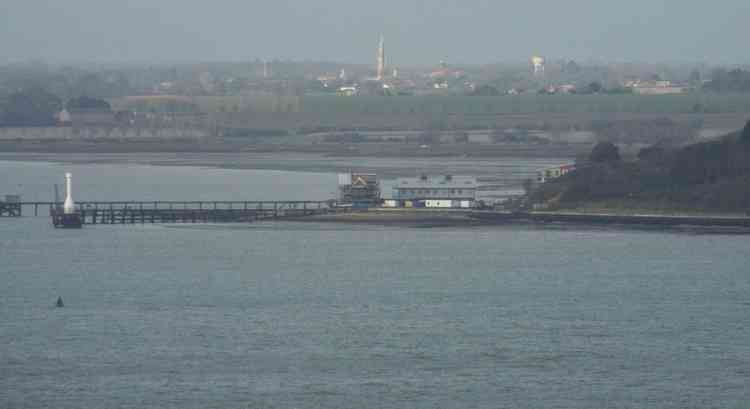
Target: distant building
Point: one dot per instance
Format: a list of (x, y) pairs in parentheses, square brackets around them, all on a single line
[(537, 65), (348, 91), (442, 188), (544, 175), (328, 80), (559, 89), (63, 117), (658, 87), (381, 59), (447, 73), (647, 90), (359, 189), (164, 87)]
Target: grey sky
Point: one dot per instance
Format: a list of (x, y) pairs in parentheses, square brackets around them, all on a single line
[(417, 31)]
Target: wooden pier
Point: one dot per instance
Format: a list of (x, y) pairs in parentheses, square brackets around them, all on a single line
[(142, 212)]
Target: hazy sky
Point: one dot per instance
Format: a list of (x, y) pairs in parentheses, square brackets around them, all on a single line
[(417, 31)]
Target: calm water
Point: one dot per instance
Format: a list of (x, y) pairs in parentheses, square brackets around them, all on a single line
[(290, 315)]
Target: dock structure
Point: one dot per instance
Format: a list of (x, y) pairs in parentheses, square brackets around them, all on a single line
[(11, 206), (10, 209), (142, 212)]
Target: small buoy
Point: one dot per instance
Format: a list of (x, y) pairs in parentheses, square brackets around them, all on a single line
[(60, 302)]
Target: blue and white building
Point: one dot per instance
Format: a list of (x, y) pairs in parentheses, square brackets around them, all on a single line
[(430, 191)]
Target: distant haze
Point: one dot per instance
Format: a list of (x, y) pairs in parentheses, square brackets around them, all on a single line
[(417, 32)]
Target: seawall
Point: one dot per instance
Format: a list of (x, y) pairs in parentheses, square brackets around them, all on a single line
[(461, 217)]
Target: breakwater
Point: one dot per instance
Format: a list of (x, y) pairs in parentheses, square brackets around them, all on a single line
[(474, 217)]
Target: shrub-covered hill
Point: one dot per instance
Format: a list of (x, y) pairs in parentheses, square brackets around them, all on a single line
[(710, 176)]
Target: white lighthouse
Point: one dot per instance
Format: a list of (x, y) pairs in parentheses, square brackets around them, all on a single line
[(68, 205)]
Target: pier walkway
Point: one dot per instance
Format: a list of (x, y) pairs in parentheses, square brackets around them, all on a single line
[(141, 212)]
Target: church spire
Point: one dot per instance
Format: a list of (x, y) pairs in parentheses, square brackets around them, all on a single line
[(381, 58)]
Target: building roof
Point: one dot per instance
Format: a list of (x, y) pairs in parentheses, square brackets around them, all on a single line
[(437, 182)]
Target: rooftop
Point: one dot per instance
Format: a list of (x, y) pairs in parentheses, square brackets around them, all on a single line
[(447, 182)]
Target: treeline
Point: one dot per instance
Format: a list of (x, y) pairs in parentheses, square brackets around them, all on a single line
[(711, 162), (707, 176), (736, 80), (38, 107), (33, 107), (664, 130), (69, 82)]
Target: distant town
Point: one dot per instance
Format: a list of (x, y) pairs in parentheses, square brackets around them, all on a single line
[(542, 101)]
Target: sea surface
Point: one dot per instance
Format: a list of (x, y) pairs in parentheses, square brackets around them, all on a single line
[(306, 315)]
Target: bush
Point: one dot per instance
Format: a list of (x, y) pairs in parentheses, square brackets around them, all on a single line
[(87, 103), (33, 107), (605, 152)]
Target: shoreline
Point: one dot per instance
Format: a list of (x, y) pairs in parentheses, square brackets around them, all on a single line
[(359, 149), (509, 171), (425, 218)]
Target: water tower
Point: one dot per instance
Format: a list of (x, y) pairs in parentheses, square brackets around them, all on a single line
[(537, 64)]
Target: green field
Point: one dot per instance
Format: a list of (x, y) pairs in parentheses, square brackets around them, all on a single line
[(294, 115)]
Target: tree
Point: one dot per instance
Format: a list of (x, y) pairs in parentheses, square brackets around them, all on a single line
[(429, 137), (528, 186), (87, 103), (461, 137), (486, 91), (695, 77), (571, 67), (594, 88), (605, 152), (746, 133), (722, 80), (92, 85), (33, 107)]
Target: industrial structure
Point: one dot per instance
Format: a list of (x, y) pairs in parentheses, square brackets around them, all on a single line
[(360, 190), (11, 206), (444, 191), (381, 59)]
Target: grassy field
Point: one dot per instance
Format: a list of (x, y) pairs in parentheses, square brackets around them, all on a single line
[(294, 115), (521, 104)]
